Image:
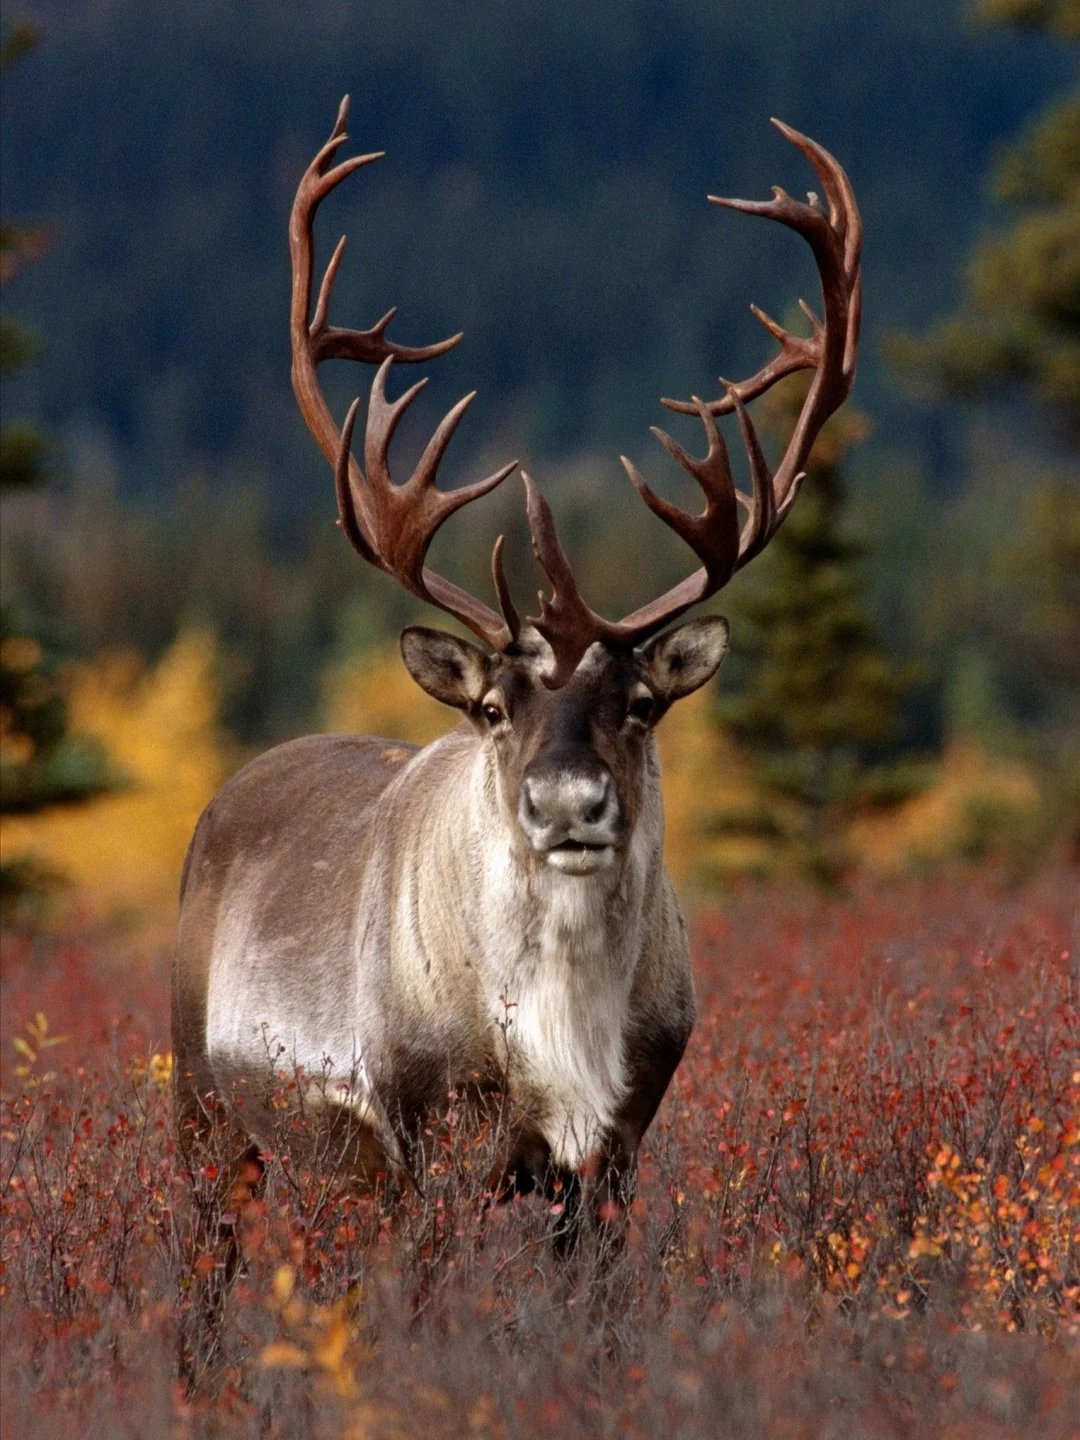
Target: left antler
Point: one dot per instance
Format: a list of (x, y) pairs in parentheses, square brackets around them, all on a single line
[(391, 525)]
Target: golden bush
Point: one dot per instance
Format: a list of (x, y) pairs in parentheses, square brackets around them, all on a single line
[(979, 804), (123, 851), (703, 778)]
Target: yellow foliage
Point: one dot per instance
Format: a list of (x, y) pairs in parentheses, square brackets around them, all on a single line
[(20, 653), (160, 730), (156, 1068), (373, 694), (937, 823), (325, 1338), (30, 1050), (702, 776)]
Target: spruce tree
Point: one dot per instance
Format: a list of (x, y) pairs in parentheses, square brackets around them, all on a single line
[(1018, 330), (41, 764), (819, 699), (1018, 326)]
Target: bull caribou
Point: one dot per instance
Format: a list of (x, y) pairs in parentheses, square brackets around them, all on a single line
[(490, 912)]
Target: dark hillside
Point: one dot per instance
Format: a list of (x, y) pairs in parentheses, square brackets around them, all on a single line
[(544, 191)]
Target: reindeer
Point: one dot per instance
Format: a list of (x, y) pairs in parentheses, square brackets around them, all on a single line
[(490, 912)]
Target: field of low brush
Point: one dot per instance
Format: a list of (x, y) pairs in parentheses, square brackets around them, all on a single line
[(858, 1212)]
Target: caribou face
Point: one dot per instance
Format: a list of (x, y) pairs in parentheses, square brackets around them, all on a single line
[(571, 762)]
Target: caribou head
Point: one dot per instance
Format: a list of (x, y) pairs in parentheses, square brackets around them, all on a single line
[(571, 763)]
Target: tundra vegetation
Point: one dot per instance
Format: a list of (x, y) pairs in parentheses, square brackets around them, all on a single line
[(857, 1211)]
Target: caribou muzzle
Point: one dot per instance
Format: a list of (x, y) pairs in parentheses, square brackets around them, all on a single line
[(570, 814)]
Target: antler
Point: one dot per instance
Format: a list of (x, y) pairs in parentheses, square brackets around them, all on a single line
[(391, 525), (715, 535)]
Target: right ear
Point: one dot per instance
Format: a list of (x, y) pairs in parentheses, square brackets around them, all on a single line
[(682, 660), (449, 669)]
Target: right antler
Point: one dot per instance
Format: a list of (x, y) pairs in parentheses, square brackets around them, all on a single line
[(391, 525), (715, 535), (831, 348)]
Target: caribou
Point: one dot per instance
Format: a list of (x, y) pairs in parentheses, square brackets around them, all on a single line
[(490, 912)]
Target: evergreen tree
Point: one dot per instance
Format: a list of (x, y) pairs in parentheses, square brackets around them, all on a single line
[(819, 699), (40, 763), (1019, 323), (1019, 328), (21, 447)]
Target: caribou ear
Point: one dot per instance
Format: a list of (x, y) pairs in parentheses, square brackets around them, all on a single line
[(451, 670), (684, 659)]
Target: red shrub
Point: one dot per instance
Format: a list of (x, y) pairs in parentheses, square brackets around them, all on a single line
[(859, 1212)]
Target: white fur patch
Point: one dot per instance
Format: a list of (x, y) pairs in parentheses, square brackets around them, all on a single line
[(565, 989)]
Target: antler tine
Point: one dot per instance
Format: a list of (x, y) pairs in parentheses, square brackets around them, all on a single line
[(316, 340), (423, 477), (390, 525), (843, 211), (567, 622), (846, 223), (346, 344), (714, 534), (383, 418), (346, 500), (330, 342), (797, 352), (502, 590), (836, 240), (393, 526), (761, 509)]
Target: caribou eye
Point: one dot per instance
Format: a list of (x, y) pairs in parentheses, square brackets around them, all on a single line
[(641, 709), (492, 714)]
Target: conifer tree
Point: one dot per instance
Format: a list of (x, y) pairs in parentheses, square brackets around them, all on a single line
[(1019, 323), (41, 764), (819, 699), (1018, 329)]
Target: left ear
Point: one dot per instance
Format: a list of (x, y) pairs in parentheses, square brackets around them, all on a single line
[(451, 670), (682, 660)]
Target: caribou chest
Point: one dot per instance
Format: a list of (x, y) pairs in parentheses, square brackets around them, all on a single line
[(561, 969)]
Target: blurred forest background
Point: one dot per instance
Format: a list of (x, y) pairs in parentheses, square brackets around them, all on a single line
[(175, 595)]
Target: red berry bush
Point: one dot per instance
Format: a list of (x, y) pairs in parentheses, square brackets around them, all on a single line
[(858, 1212)]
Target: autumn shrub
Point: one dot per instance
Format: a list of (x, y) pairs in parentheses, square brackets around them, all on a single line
[(858, 1211), (159, 726)]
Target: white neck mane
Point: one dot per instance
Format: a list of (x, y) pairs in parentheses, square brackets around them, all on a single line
[(560, 960)]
